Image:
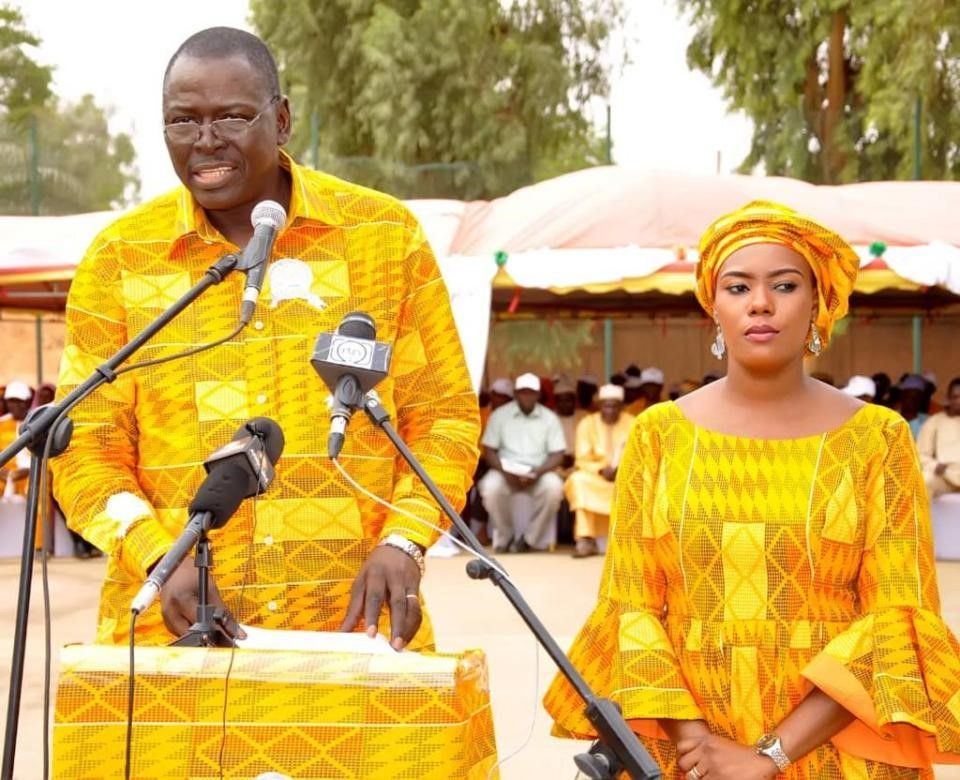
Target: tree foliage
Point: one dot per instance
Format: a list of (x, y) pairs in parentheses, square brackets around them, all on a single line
[(832, 86), (475, 98), (55, 157)]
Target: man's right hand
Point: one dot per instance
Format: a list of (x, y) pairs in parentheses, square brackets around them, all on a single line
[(514, 480), (181, 595)]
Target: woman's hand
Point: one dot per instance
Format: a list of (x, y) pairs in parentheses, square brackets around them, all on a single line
[(718, 758)]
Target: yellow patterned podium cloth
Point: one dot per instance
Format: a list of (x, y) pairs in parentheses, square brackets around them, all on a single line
[(305, 714)]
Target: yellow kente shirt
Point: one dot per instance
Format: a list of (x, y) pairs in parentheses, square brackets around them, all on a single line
[(741, 572), (286, 559)]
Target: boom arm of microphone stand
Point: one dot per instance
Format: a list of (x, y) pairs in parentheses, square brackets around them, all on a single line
[(32, 434), (40, 424), (621, 743)]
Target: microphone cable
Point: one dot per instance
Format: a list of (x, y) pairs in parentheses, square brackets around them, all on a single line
[(233, 647), (45, 519), (493, 565)]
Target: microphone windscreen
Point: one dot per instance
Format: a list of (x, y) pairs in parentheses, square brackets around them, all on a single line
[(268, 212), (358, 325), (268, 430), (221, 493)]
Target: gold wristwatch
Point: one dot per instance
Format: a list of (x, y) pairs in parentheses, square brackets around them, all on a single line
[(410, 548), (769, 745)]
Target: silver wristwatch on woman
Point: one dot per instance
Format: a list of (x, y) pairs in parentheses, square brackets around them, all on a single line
[(769, 745)]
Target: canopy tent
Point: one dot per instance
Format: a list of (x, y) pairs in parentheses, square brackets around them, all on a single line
[(593, 243)]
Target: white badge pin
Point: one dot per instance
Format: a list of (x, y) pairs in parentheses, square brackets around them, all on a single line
[(290, 279)]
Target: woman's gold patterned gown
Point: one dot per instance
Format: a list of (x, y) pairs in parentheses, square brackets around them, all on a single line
[(742, 571)]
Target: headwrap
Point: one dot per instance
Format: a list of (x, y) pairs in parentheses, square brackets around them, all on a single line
[(834, 263)]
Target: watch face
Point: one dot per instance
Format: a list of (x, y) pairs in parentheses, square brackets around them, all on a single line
[(766, 741)]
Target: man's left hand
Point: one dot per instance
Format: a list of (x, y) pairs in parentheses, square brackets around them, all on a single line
[(391, 576)]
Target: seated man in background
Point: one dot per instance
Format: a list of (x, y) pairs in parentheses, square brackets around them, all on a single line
[(589, 489), (18, 397), (939, 446), (523, 444)]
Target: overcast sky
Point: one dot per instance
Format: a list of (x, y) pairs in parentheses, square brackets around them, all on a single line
[(663, 115)]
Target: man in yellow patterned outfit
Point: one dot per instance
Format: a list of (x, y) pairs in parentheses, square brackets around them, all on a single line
[(309, 554)]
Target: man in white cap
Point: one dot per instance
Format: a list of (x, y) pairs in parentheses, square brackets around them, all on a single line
[(589, 489), (523, 444), (17, 396), (939, 446), (862, 387)]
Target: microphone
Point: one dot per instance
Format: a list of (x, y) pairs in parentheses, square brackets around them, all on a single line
[(350, 362), (267, 218), (241, 468)]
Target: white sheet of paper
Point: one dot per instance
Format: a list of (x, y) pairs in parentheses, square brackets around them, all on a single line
[(324, 641)]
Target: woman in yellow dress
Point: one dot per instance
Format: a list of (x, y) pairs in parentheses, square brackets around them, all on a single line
[(769, 602)]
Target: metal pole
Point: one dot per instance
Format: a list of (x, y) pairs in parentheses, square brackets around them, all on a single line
[(917, 343), (607, 350), (609, 139), (39, 339), (917, 174), (34, 168), (315, 139)]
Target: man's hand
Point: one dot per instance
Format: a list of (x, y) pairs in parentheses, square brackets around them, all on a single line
[(514, 481), (718, 758), (391, 576), (181, 595), (940, 470), (609, 473)]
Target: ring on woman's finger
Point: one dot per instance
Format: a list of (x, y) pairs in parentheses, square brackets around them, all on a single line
[(694, 774), (413, 595)]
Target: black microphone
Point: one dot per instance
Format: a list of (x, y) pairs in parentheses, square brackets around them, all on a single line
[(241, 468), (350, 362), (267, 218)]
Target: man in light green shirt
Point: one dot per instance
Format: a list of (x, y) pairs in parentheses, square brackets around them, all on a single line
[(523, 444)]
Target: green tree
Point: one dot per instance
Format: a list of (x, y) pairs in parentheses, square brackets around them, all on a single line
[(55, 157), (434, 97), (24, 83), (832, 85)]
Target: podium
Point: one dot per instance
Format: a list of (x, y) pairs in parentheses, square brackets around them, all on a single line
[(305, 714)]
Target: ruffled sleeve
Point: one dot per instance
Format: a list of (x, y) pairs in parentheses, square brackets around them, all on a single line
[(623, 651), (897, 668)]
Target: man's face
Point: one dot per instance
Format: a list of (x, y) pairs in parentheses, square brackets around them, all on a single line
[(610, 410), (526, 399), (953, 401), (18, 408), (225, 173), (566, 404)]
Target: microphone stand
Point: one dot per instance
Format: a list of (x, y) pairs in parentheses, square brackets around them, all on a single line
[(33, 434), (207, 631), (617, 749)]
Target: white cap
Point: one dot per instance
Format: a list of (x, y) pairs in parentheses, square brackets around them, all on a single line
[(652, 376), (861, 385), (503, 386), (610, 393), (527, 382), (632, 381), (19, 391)]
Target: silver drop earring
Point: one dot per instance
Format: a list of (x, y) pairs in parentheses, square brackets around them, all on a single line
[(816, 345), (719, 346)]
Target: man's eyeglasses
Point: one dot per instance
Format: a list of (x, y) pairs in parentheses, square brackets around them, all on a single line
[(189, 131)]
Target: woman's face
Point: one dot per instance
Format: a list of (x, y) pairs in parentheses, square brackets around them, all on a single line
[(766, 300)]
